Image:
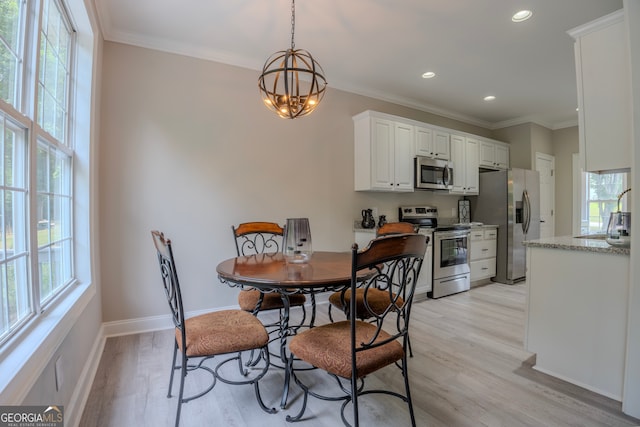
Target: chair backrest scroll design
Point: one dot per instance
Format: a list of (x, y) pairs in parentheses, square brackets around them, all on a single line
[(169, 278)]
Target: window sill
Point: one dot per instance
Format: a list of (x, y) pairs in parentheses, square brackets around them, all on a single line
[(25, 356)]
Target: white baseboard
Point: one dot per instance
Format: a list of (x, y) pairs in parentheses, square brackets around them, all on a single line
[(159, 323), (605, 393), (73, 412)]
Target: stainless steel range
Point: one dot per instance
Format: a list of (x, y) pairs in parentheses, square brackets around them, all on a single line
[(451, 272)]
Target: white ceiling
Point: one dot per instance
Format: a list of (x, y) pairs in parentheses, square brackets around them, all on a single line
[(380, 48)]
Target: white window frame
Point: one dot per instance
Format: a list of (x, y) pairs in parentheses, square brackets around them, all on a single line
[(27, 353), (581, 200)]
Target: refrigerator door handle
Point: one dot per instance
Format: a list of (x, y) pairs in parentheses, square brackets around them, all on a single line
[(527, 211)]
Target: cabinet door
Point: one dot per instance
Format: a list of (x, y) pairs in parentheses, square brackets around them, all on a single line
[(424, 141), (382, 156), (483, 269), (502, 156), (472, 172), (487, 154), (604, 97), (403, 157), (362, 238), (441, 144), (458, 159)]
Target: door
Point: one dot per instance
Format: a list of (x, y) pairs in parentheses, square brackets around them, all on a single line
[(545, 165)]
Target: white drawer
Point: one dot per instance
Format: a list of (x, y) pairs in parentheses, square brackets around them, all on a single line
[(490, 233), (481, 249), (483, 269), (476, 235)]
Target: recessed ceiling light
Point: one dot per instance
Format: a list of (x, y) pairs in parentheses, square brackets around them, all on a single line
[(429, 75), (521, 16), (489, 98)]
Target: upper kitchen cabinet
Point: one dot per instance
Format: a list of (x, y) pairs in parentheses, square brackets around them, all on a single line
[(384, 149), (432, 143), (494, 155), (464, 156), (604, 93)]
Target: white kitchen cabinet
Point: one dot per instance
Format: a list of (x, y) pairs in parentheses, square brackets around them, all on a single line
[(441, 145), (433, 143), (483, 253), (363, 237), (604, 93), (576, 314), (464, 155), (384, 150), (493, 155)]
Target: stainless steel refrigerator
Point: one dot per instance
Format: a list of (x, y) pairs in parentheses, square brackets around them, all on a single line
[(509, 199)]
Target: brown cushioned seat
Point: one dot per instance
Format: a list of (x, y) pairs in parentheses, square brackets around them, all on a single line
[(377, 299), (367, 342), (227, 331), (248, 300), (328, 347)]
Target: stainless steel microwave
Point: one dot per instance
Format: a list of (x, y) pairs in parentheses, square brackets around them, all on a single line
[(433, 174)]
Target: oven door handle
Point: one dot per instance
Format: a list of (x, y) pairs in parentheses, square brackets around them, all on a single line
[(461, 276)]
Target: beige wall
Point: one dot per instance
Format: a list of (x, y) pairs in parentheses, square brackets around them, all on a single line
[(188, 148), (565, 144), (541, 142), (519, 137)]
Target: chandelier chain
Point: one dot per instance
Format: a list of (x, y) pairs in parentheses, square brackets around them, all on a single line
[(293, 23)]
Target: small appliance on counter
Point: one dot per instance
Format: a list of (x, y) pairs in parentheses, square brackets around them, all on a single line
[(367, 219), (619, 228)]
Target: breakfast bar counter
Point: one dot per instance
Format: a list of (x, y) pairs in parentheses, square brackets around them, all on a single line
[(577, 305), (581, 243)]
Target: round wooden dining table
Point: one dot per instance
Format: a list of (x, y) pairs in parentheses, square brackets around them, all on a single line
[(270, 272)]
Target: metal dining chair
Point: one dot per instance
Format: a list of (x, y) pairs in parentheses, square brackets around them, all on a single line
[(220, 333), (252, 238), (377, 300), (352, 349)]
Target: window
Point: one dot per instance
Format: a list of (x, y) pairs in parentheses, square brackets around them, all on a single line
[(599, 198), (36, 179)]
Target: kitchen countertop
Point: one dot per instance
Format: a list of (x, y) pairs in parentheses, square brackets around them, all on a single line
[(474, 226), (584, 244)]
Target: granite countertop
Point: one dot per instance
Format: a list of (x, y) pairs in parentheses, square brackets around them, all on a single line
[(585, 244), (357, 225)]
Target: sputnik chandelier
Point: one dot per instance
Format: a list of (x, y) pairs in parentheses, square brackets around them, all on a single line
[(292, 83)]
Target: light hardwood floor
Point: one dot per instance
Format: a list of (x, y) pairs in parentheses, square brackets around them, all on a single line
[(469, 369)]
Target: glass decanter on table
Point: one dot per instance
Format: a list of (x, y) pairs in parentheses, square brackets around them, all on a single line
[(297, 241)]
